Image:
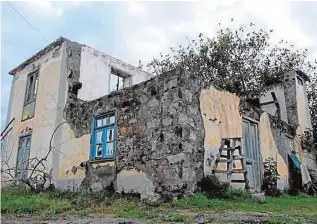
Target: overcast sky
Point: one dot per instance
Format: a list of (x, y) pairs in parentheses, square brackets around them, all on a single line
[(141, 30)]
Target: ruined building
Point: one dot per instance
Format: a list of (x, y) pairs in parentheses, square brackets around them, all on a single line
[(113, 126)]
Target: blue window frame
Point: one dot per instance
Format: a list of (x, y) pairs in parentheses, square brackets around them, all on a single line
[(103, 137)]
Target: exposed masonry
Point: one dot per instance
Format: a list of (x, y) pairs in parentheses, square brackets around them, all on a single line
[(160, 130), (290, 98)]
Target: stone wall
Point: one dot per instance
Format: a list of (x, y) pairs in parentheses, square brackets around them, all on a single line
[(169, 130), (160, 135)]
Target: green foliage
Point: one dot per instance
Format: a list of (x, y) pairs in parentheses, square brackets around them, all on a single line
[(176, 218), (46, 205), (239, 194), (16, 200), (209, 219), (284, 220), (241, 61), (129, 210), (271, 177), (312, 99), (15, 190), (213, 188)]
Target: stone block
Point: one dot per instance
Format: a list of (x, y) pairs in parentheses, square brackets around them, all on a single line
[(258, 197)]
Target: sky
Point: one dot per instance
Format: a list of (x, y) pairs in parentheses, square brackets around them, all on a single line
[(133, 31)]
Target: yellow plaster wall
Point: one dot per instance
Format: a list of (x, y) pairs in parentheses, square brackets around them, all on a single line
[(305, 157), (73, 152), (107, 163), (43, 122), (304, 125), (269, 149), (220, 112)]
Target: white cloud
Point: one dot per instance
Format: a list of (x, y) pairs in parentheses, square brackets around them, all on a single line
[(276, 15), (136, 8), (44, 8), (146, 39), (52, 9)]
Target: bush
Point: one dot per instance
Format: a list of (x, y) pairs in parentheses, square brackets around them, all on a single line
[(239, 194), (213, 188), (176, 218), (271, 177)]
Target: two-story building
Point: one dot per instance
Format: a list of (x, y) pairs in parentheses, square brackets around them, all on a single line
[(102, 123)]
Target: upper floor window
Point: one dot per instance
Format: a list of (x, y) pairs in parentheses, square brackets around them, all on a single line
[(31, 87), (118, 80), (103, 137), (30, 95)]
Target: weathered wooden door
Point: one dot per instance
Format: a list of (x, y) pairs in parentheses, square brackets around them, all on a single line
[(23, 157), (252, 153)]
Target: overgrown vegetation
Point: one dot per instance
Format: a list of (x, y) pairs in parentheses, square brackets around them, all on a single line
[(312, 98), (213, 188), (45, 205), (242, 61), (270, 178)]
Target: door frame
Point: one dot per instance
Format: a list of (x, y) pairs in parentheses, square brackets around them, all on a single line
[(259, 145), (23, 172)]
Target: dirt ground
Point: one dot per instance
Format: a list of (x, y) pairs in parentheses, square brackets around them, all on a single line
[(222, 217)]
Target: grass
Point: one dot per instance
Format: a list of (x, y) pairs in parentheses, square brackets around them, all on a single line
[(284, 209), (177, 218), (18, 200), (283, 220)]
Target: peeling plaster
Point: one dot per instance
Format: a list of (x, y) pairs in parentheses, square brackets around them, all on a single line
[(133, 181), (220, 113), (269, 149)]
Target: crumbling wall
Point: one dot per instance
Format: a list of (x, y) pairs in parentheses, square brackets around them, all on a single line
[(272, 144), (168, 132), (159, 135), (220, 112), (290, 98), (95, 70)]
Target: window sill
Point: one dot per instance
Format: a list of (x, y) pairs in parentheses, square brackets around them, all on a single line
[(25, 119), (101, 160)]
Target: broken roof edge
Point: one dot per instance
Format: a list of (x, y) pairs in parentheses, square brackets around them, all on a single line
[(49, 47), (56, 43), (111, 58), (303, 75)]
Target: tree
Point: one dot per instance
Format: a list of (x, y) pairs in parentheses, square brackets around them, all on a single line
[(241, 61), (312, 99)]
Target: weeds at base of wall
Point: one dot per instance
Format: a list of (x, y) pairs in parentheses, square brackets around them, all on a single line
[(213, 188), (271, 176), (46, 205)]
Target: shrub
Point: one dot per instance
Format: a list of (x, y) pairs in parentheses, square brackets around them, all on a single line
[(271, 177), (213, 188), (177, 218)]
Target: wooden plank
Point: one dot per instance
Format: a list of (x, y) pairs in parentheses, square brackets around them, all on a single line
[(238, 181), (230, 165), (224, 161), (233, 171), (238, 157), (228, 149)]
